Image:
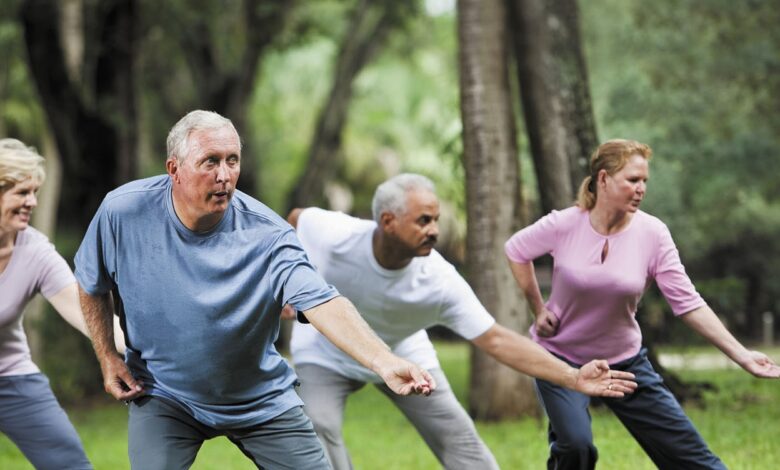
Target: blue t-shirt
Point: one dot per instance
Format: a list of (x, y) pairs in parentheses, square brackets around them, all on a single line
[(201, 310)]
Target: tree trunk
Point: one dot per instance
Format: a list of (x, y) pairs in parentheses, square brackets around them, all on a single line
[(366, 32), (94, 126), (555, 95), (492, 198)]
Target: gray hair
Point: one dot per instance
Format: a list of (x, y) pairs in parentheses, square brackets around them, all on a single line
[(19, 162), (178, 137), (390, 196)]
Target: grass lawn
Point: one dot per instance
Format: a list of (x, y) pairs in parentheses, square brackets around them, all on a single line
[(740, 421)]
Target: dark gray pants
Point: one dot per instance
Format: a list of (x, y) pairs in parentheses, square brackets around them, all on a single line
[(162, 436), (651, 414), (33, 419), (439, 418)]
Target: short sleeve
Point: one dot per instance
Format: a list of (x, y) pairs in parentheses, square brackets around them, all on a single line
[(320, 230), (293, 278), (462, 312), (670, 275), (96, 257), (54, 273), (533, 241)]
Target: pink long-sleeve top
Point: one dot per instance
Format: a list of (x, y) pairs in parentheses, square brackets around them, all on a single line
[(594, 301)]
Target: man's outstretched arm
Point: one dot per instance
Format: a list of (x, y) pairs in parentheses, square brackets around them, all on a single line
[(522, 354), (117, 379), (339, 321)]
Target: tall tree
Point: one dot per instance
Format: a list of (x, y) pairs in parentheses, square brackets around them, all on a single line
[(492, 198), (92, 117), (555, 95), (368, 28)]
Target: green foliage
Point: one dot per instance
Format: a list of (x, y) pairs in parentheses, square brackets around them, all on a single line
[(697, 80), (283, 113), (404, 115), (20, 113), (68, 360)]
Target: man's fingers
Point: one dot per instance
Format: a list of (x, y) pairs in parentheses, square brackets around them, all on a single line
[(429, 378), (121, 384), (423, 381), (120, 391), (126, 378), (418, 381)]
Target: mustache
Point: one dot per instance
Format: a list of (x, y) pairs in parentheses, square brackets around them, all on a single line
[(431, 240)]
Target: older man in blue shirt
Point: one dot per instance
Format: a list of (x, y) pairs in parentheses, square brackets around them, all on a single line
[(199, 273)]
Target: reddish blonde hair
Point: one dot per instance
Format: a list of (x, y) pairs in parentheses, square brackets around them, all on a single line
[(611, 156)]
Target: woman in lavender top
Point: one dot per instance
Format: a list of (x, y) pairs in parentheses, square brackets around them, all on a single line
[(29, 413), (606, 253)]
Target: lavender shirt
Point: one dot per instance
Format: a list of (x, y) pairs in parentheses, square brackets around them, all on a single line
[(34, 267), (596, 302)]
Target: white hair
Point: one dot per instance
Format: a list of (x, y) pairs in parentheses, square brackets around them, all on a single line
[(19, 162), (178, 137), (390, 196)]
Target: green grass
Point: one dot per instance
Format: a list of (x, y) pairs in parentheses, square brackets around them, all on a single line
[(740, 421)]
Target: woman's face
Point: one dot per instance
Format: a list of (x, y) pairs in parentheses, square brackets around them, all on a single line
[(16, 205), (625, 190)]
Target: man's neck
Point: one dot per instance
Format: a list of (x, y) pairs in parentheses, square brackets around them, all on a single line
[(386, 253), (194, 223)]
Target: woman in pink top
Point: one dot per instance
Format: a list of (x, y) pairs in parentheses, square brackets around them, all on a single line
[(606, 253), (29, 413)]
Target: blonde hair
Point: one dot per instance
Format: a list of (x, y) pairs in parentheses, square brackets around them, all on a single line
[(611, 156), (19, 162)]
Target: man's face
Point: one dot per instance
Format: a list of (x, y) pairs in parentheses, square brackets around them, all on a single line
[(205, 179), (417, 228)]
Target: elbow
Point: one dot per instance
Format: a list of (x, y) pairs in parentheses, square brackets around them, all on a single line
[(492, 341)]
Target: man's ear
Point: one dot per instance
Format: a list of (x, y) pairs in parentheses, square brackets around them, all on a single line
[(172, 166), (386, 220)]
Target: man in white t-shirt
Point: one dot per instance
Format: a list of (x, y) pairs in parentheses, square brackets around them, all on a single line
[(401, 286)]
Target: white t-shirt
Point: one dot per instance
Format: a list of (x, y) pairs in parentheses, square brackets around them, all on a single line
[(397, 304)]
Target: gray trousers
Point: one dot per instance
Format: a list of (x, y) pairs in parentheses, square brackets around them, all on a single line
[(162, 436), (441, 421), (33, 419)]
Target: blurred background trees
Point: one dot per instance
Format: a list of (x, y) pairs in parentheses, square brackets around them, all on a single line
[(331, 97)]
